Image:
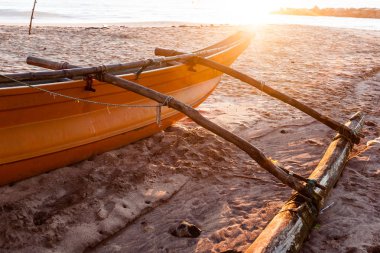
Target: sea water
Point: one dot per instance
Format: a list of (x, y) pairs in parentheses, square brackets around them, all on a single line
[(65, 12)]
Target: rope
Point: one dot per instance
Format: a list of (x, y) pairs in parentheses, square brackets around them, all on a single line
[(63, 65), (342, 133), (158, 115), (80, 99), (167, 101), (104, 69), (311, 182), (158, 110)]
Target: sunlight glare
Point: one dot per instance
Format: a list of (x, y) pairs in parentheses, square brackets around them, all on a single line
[(248, 11)]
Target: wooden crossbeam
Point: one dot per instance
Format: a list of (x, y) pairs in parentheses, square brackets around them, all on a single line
[(193, 114)]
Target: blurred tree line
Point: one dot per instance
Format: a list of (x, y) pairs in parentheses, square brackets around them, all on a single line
[(335, 12)]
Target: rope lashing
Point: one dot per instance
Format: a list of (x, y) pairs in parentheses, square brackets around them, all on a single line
[(310, 182), (158, 109), (63, 65), (167, 100), (345, 136), (102, 69)]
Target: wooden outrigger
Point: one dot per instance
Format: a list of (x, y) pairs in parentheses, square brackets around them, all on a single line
[(300, 212), (293, 223)]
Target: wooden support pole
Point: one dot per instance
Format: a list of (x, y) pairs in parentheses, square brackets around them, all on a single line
[(340, 128), (193, 114), (292, 225)]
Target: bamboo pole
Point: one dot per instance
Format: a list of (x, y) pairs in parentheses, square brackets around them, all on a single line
[(193, 114), (32, 17), (292, 225)]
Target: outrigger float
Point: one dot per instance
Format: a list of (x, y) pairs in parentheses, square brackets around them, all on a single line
[(53, 118)]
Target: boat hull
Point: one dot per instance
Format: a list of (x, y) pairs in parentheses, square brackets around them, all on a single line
[(38, 164), (40, 132)]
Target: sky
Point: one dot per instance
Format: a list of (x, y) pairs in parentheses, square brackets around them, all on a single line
[(269, 4), (203, 11)]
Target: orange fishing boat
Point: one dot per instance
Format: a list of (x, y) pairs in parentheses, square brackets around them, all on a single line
[(40, 131)]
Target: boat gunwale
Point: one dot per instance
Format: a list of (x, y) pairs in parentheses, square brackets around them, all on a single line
[(243, 38), (97, 83)]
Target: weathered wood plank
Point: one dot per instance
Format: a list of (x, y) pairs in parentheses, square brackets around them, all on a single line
[(291, 226)]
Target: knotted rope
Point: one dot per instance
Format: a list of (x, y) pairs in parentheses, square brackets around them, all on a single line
[(102, 70), (158, 110)]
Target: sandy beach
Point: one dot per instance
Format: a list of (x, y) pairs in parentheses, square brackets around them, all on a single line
[(127, 200)]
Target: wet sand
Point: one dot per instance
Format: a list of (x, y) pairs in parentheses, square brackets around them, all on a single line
[(126, 200)]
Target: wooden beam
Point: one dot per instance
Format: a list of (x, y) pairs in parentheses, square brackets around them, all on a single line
[(193, 114), (292, 225), (340, 128), (61, 72)]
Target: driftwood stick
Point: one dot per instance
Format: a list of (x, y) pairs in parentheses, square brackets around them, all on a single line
[(291, 226), (340, 128), (32, 17), (251, 150)]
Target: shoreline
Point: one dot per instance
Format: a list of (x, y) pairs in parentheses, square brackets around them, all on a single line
[(276, 19), (145, 24), (332, 12)]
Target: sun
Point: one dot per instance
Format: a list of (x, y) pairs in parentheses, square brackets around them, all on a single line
[(259, 7), (247, 11), (238, 11)]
